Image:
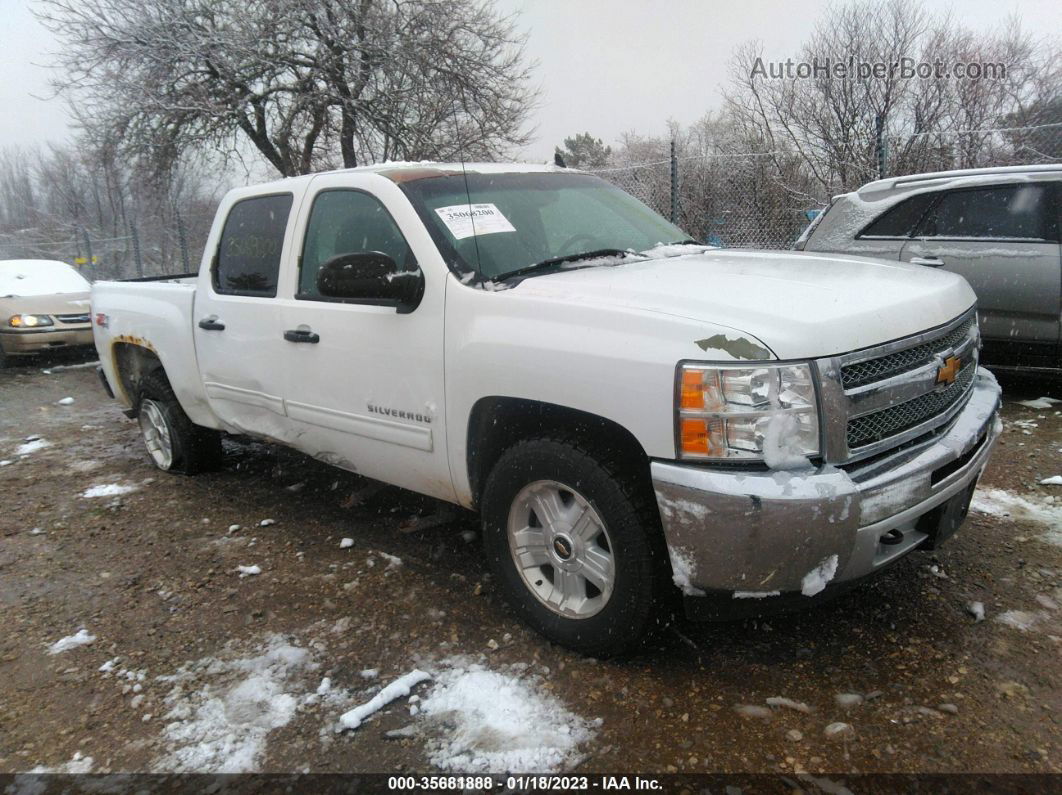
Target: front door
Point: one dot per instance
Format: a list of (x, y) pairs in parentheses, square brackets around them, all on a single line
[(364, 381)]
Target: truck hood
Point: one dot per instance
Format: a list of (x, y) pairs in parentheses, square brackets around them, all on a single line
[(799, 305)]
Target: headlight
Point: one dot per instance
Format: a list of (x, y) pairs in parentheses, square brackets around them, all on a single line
[(29, 321), (763, 413)]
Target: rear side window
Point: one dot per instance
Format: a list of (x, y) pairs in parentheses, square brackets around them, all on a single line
[(248, 257), (1006, 212), (901, 220), (348, 222)]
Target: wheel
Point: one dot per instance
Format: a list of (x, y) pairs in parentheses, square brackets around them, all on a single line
[(173, 441), (576, 545)]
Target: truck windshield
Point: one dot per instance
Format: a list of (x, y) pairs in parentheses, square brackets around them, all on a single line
[(509, 223)]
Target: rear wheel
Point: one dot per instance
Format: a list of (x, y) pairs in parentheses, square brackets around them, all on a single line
[(173, 441), (576, 545)]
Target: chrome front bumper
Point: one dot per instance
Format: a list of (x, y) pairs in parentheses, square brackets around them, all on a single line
[(766, 533)]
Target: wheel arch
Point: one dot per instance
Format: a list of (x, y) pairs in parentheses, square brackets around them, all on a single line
[(497, 423), (133, 361)]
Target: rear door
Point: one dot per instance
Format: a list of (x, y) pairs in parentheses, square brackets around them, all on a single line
[(238, 321), (1003, 239)]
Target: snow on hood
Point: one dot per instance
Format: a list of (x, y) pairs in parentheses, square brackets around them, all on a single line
[(800, 304), (31, 277)]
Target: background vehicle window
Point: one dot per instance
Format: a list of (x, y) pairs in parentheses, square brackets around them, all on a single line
[(248, 256), (900, 221), (348, 222), (1005, 212)]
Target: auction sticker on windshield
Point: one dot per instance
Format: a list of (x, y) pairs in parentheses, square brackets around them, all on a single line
[(465, 220)]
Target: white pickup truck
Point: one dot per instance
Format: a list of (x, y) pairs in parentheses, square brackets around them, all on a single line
[(636, 417)]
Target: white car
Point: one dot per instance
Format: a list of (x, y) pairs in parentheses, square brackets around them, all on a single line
[(635, 416)]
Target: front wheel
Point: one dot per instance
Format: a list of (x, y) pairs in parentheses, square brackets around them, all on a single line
[(173, 441), (576, 545)]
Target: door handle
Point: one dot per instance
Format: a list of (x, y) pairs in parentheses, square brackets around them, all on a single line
[(302, 335), (930, 261), (211, 324)]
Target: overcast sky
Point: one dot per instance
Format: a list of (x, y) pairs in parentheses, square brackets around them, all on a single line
[(605, 66)]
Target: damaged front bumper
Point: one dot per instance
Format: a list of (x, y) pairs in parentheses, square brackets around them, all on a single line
[(762, 536)]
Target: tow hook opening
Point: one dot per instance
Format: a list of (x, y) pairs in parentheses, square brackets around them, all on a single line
[(891, 538)]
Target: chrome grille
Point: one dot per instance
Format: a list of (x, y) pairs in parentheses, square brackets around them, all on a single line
[(896, 419), (867, 372), (71, 319)]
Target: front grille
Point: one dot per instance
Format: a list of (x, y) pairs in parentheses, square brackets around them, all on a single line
[(72, 319), (896, 419), (883, 367)]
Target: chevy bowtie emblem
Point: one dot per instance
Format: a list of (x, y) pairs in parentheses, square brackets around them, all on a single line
[(949, 370)]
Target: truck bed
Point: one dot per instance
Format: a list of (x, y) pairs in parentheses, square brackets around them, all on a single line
[(155, 315)]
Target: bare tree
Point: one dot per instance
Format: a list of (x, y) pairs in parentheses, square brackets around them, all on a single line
[(843, 127), (301, 81)]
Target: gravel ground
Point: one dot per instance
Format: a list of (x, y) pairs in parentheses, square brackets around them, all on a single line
[(208, 668)]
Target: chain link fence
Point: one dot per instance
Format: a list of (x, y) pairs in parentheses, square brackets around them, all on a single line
[(144, 250), (766, 199)]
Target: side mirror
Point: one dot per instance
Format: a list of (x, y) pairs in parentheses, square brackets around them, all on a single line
[(371, 277)]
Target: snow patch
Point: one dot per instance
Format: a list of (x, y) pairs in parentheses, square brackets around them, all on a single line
[(221, 726), (1039, 403), (999, 502), (682, 570), (494, 722), (1054, 480), (80, 638), (249, 571), (816, 580), (108, 490), (78, 765), (397, 689), (32, 446), (780, 448)]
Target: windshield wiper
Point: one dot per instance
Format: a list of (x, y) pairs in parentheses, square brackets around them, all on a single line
[(552, 261)]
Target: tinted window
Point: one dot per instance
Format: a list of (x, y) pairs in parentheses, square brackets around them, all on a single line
[(1006, 212), (348, 222), (248, 256), (901, 219)]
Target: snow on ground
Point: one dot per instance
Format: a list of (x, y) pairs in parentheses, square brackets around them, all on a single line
[(108, 490), (80, 638), (78, 765), (999, 502), (499, 721), (32, 446), (1039, 403), (222, 710), (399, 688), (1054, 480)]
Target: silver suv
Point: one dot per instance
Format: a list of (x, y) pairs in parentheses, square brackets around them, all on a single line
[(997, 227)]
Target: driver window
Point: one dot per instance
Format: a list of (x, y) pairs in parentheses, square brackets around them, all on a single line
[(348, 222)]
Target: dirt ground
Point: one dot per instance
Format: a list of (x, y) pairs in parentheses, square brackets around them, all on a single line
[(153, 575)]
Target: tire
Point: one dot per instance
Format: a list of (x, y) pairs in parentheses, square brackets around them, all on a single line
[(173, 441), (560, 586)]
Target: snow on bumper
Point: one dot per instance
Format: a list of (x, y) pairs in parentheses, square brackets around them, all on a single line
[(766, 533)]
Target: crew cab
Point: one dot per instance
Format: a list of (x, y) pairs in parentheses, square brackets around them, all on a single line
[(636, 417)]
